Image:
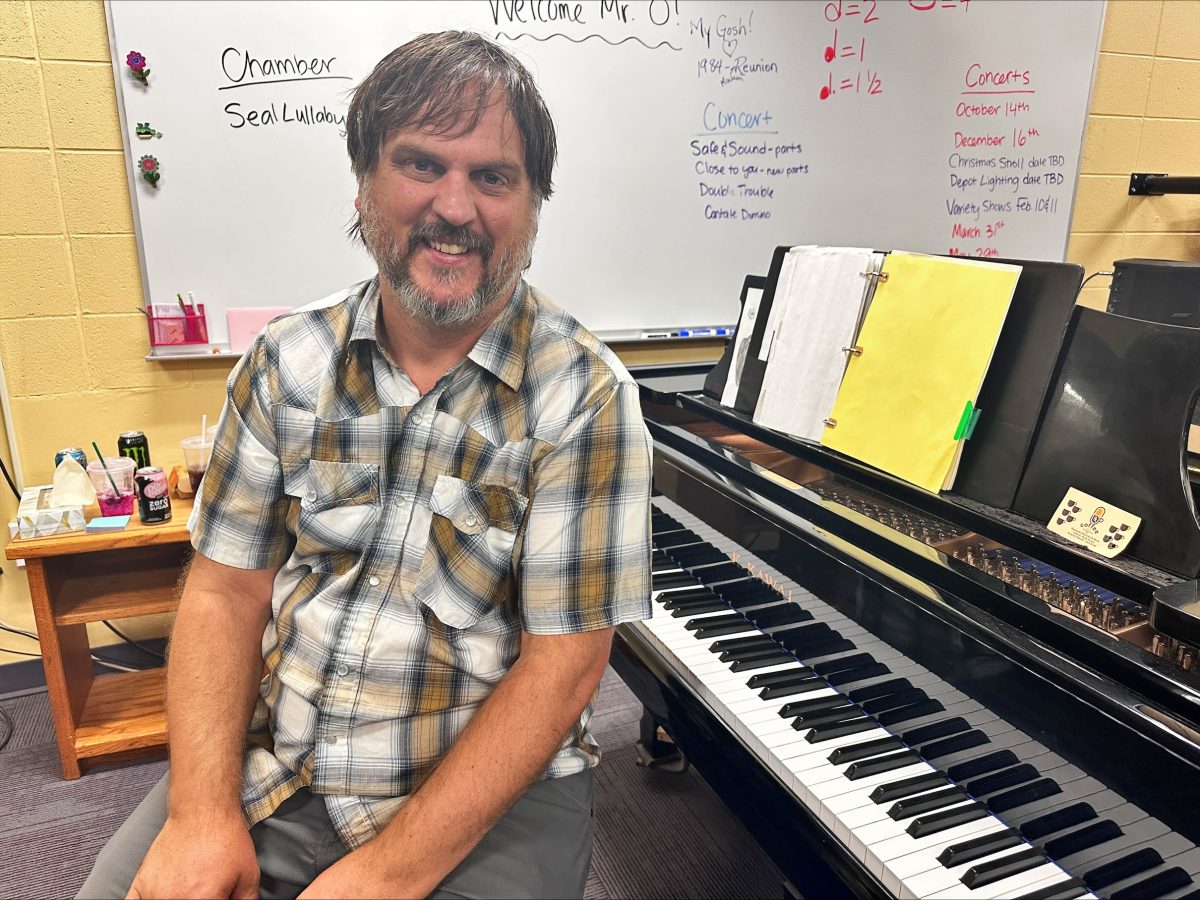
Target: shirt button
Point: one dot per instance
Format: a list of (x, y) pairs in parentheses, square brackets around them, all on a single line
[(311, 495), (343, 670), (416, 420), (331, 739), (373, 581), (472, 521)]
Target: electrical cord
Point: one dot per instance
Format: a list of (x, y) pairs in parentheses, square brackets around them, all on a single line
[(107, 661), (8, 478), (152, 653), (1090, 277)]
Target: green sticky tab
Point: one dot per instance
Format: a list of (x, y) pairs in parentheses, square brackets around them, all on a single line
[(971, 425), (963, 421)]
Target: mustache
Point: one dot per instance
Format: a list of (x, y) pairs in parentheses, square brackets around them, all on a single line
[(443, 233)]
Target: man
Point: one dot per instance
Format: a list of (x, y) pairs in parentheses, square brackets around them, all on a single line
[(426, 510)]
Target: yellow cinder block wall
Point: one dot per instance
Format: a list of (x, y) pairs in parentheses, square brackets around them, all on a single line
[(72, 341)]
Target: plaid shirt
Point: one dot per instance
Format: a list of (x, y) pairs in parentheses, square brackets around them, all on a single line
[(418, 536)]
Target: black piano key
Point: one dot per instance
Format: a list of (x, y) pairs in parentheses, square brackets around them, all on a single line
[(998, 781), (715, 626), (841, 664), (746, 653), (1027, 793), (697, 608), (677, 538), (840, 729), (1063, 890), (923, 826), (862, 673), (893, 701), (946, 746), (882, 689), (924, 803), (907, 713), (780, 614), (824, 648), (750, 603), (827, 717), (1059, 820), (741, 643), (1143, 832), (761, 662), (975, 848), (1157, 885), (1089, 836), (800, 635), (724, 571), (854, 752), (695, 554), (906, 787), (675, 598), (879, 764), (1005, 867), (1119, 869), (749, 588), (667, 580), (916, 736), (799, 686), (981, 765), (815, 704), (770, 679)]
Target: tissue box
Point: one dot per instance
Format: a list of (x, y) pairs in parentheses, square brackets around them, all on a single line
[(37, 518)]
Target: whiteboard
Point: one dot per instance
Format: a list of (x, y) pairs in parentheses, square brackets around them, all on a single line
[(694, 137)]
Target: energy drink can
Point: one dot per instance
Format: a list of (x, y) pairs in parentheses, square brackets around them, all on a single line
[(134, 445), (80, 456), (154, 500)]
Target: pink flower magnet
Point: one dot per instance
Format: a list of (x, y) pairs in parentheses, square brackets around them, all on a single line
[(148, 166), (137, 65)]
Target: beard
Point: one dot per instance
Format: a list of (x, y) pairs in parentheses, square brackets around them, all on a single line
[(498, 279)]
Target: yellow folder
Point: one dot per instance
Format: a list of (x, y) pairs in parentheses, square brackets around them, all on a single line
[(925, 344)]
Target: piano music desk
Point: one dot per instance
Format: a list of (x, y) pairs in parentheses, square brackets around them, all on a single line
[(79, 578)]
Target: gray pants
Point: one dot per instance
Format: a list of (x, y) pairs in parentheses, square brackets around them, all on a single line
[(542, 847)]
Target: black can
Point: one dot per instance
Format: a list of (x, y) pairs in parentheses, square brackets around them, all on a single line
[(154, 499), (134, 445)]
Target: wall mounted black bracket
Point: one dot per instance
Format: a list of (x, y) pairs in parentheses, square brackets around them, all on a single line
[(1156, 184)]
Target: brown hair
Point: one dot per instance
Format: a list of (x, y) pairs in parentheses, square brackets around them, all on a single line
[(435, 80)]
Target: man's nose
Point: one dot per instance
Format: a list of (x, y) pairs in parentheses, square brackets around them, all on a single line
[(455, 201)]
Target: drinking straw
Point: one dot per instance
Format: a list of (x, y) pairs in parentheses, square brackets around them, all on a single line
[(104, 465), (203, 429)]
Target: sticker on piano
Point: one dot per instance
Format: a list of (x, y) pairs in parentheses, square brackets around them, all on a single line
[(1087, 520)]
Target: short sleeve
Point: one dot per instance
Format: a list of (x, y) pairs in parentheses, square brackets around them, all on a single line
[(240, 514), (585, 562)]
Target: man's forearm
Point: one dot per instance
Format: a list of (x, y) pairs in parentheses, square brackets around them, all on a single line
[(506, 746), (213, 673)]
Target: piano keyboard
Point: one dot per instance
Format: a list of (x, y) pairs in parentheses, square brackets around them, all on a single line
[(933, 793)]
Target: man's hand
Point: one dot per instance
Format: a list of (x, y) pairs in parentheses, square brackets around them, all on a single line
[(199, 859)]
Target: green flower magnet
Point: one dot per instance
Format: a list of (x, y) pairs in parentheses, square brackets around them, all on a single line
[(148, 166)]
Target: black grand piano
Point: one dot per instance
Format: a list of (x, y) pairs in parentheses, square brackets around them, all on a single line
[(910, 694)]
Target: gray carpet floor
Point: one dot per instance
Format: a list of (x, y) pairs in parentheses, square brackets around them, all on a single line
[(658, 834)]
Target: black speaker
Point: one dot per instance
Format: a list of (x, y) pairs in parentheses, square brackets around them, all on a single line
[(1156, 290)]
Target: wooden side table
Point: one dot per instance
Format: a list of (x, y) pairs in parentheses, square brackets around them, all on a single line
[(79, 578)]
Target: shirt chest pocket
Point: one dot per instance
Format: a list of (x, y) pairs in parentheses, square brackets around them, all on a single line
[(467, 569), (338, 514)]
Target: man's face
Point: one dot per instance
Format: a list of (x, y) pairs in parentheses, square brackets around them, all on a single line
[(450, 218)]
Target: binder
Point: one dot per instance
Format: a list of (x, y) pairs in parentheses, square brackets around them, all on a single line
[(754, 368), (822, 295), (908, 398), (1015, 389)]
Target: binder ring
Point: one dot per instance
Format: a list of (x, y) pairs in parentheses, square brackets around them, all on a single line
[(831, 423), (879, 276), (853, 351)]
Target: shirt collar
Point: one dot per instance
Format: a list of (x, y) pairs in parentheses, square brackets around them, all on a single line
[(501, 349)]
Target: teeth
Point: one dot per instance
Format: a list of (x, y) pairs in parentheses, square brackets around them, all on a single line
[(455, 249)]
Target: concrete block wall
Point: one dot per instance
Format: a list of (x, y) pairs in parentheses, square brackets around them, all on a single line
[(72, 340)]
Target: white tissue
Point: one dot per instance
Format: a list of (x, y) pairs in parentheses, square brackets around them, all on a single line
[(72, 487)]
